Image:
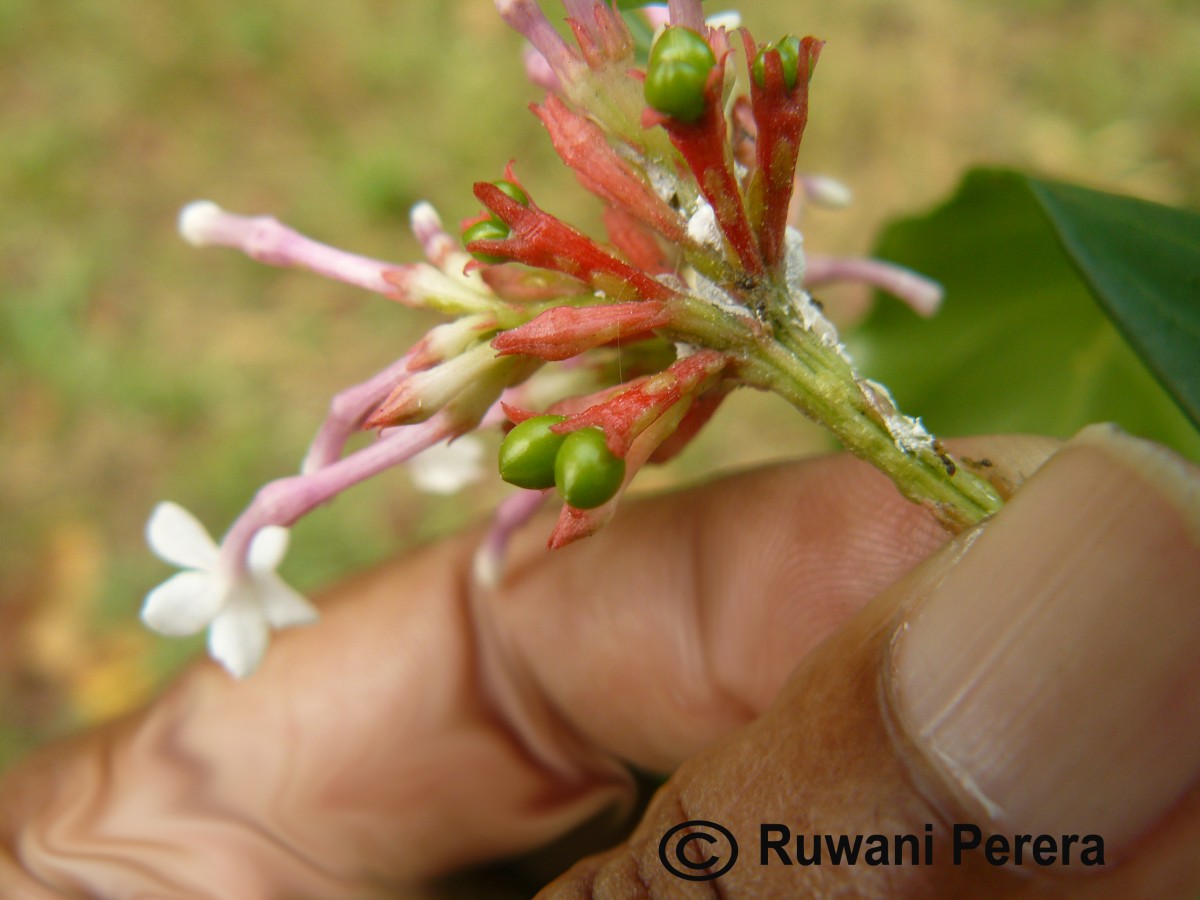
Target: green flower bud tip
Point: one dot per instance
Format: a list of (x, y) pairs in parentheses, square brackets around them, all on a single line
[(586, 471), (514, 191), (680, 62), (487, 230), (789, 56), (528, 452)]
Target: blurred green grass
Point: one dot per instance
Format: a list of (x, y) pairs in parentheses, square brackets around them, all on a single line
[(134, 368)]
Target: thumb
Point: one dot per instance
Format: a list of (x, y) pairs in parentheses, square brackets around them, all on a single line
[(1040, 676)]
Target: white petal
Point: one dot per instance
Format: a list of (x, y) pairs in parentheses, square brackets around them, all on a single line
[(196, 221), (268, 548), (826, 191), (175, 535), (729, 20), (238, 638), (447, 468), (183, 604), (283, 605)]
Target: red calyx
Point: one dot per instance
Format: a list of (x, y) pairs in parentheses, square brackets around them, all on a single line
[(584, 148), (780, 114), (696, 418), (635, 241), (705, 149), (566, 331), (627, 414), (541, 240)]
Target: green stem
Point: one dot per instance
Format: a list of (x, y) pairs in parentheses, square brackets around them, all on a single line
[(813, 376), (820, 383)]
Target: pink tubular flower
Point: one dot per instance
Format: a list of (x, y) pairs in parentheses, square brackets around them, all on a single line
[(687, 13), (527, 17), (599, 357), (538, 69)]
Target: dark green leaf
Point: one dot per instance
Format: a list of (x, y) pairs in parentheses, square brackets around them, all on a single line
[(1142, 261), (1020, 344)]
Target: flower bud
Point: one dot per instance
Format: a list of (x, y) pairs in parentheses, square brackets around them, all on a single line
[(511, 189), (788, 49), (680, 62), (487, 230)]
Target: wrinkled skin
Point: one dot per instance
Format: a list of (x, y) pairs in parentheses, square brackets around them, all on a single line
[(747, 636)]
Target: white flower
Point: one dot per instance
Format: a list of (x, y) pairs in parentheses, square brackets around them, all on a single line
[(239, 609), (447, 468)]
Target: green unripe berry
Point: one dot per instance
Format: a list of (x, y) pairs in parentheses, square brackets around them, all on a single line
[(679, 44), (513, 190), (789, 58), (528, 452), (680, 62), (677, 90), (487, 230), (586, 471)]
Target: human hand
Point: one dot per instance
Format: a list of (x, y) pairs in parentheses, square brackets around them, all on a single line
[(1039, 675)]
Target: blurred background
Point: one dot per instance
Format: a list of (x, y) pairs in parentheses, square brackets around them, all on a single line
[(134, 368)]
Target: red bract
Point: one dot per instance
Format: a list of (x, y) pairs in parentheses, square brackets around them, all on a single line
[(567, 331), (524, 287), (627, 414), (697, 416), (584, 147), (780, 115), (704, 146), (574, 524), (546, 242), (635, 241)]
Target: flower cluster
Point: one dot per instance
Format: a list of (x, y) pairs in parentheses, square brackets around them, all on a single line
[(599, 357)]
